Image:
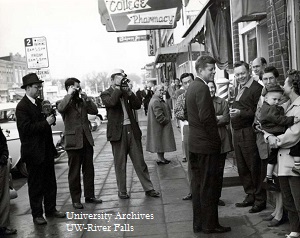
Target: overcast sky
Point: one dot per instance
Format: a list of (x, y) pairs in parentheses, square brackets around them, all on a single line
[(77, 42)]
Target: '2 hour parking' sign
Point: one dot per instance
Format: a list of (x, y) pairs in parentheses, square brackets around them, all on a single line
[(36, 52)]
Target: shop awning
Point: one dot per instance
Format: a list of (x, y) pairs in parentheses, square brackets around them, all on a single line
[(248, 10), (169, 54)]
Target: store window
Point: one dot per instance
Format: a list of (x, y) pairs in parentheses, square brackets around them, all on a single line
[(253, 40), (250, 45)]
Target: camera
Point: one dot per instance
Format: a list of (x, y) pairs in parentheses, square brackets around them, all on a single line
[(48, 110), (125, 82)]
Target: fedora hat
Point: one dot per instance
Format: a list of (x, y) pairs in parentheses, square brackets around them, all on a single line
[(30, 79)]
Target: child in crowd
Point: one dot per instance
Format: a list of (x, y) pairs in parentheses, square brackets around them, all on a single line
[(274, 121)]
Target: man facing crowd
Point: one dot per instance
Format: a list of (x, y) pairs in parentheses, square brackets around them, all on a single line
[(204, 148), (75, 107), (124, 133), (242, 116), (37, 150)]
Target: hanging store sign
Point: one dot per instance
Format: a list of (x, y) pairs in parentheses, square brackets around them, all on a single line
[(132, 15)]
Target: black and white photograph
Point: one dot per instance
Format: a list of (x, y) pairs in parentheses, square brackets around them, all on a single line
[(150, 118)]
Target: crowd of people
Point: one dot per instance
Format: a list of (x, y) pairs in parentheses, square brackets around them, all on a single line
[(261, 125)]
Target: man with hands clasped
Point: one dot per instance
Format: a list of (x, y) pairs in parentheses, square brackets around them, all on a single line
[(242, 116), (75, 107)]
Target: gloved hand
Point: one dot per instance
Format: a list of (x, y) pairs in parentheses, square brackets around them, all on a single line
[(3, 160)]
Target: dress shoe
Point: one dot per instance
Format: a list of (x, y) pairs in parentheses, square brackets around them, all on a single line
[(56, 214), (123, 195), (244, 204), (163, 162), (93, 200), (5, 231), (256, 208), (219, 229), (188, 197), (296, 170), (184, 160), (77, 205), (39, 221), (274, 223), (152, 193), (197, 229), (221, 203), (268, 218)]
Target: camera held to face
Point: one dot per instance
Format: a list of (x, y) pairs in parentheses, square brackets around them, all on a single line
[(125, 82)]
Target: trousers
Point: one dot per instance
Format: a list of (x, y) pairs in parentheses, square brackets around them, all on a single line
[(249, 164), (205, 190), (42, 187), (81, 158), (4, 195), (129, 145)]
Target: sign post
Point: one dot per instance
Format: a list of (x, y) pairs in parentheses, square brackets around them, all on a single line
[(36, 52)]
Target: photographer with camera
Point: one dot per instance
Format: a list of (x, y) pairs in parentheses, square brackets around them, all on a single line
[(74, 108), (124, 133), (37, 150)]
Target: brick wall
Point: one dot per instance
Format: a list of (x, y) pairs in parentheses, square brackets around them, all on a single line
[(273, 45)]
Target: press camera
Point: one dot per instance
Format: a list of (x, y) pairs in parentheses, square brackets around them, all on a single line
[(48, 110)]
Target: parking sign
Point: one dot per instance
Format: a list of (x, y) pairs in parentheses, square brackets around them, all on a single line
[(36, 52)]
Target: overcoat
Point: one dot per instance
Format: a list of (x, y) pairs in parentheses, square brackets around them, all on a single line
[(35, 132), (160, 135), (76, 121)]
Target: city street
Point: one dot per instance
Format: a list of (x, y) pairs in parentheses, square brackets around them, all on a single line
[(140, 216)]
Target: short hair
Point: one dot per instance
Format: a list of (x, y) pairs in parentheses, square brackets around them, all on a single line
[(184, 75), (71, 81), (273, 70), (294, 80), (213, 82), (203, 60), (192, 76), (241, 63), (262, 60)]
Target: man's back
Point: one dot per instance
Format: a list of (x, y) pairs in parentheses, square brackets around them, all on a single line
[(203, 137)]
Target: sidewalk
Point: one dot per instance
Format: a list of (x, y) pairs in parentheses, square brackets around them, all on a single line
[(166, 217)]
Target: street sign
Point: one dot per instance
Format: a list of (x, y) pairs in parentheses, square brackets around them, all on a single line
[(43, 74), (132, 15), (36, 52), (151, 43), (123, 39)]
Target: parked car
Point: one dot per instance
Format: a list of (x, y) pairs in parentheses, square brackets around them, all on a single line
[(9, 127)]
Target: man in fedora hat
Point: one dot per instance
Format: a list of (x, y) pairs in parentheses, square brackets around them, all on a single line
[(37, 150), (124, 133)]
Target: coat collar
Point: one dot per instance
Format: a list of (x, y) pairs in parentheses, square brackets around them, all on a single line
[(295, 103), (217, 99)]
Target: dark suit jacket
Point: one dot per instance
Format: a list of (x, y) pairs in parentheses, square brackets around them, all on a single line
[(247, 104), (35, 133), (203, 130), (76, 121), (115, 116)]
